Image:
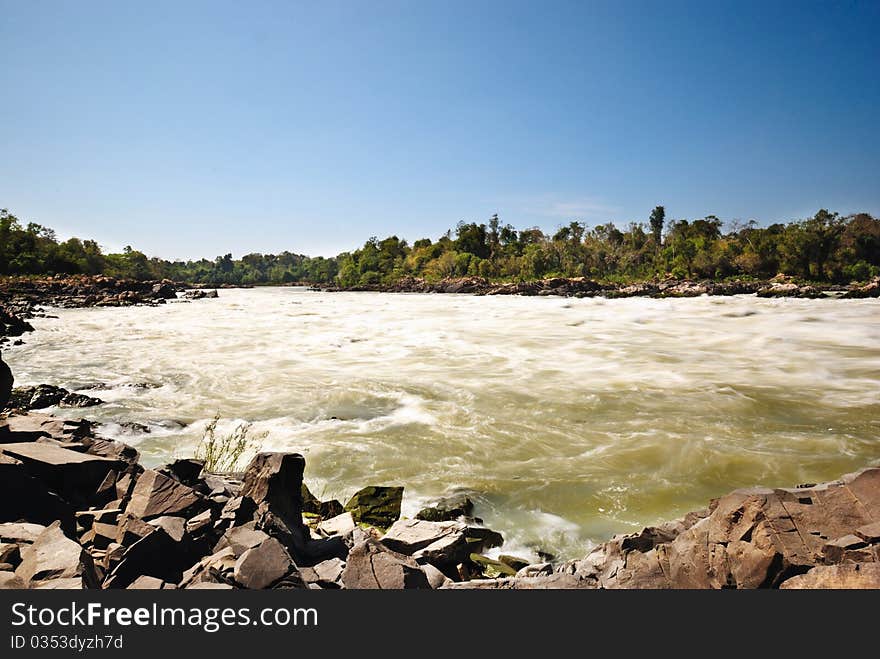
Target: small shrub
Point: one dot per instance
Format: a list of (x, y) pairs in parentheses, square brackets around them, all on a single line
[(222, 453)]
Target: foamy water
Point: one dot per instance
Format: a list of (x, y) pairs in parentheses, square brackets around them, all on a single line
[(569, 419)]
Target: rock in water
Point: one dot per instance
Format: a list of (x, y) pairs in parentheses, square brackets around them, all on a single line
[(370, 565), (448, 508), (6, 382), (377, 506)]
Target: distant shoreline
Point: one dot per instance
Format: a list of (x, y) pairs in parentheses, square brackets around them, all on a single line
[(580, 287)]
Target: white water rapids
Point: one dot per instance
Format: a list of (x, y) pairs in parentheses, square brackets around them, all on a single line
[(568, 419)]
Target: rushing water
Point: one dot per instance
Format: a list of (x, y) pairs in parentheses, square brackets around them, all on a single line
[(569, 419)]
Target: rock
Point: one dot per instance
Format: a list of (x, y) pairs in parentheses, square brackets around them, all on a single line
[(535, 570), (436, 579), (156, 554), (9, 554), (263, 566), (209, 585), (377, 506), (75, 476), (55, 556), (491, 568), (551, 582), (155, 495), (241, 538), (25, 497), (33, 426), (324, 509), (6, 382), (339, 525), (449, 508), (185, 471), (869, 532), (164, 290), (276, 479), (10, 581), (442, 544), (47, 395), (200, 523), (328, 574), (130, 529), (217, 568), (175, 527), (20, 532), (238, 511), (752, 538), (513, 562), (146, 583), (371, 565), (846, 576)]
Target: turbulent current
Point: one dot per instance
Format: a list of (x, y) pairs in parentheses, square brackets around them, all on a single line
[(568, 420)]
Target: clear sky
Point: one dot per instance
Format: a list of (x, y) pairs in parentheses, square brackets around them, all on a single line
[(190, 129)]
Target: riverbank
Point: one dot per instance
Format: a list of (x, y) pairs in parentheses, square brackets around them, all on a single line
[(581, 287), (79, 511)]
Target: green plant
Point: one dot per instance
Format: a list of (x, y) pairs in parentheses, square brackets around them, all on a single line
[(222, 453)]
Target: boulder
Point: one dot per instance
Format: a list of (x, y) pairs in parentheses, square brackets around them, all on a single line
[(241, 538), (263, 566), (75, 476), (33, 426), (324, 509), (850, 576), (441, 544), (339, 525), (46, 395), (376, 506), (157, 554), (25, 497), (185, 471), (156, 494), (750, 538), (371, 565), (448, 508), (55, 556), (276, 480), (329, 573)]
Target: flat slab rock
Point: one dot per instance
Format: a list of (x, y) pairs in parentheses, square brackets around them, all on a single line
[(752, 538), (851, 576)]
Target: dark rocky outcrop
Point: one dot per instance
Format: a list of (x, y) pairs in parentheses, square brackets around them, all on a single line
[(47, 395), (6, 382)]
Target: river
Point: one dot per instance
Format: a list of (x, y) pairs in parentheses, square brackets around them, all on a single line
[(569, 419)]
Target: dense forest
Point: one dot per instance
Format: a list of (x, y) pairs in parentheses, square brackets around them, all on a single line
[(823, 248)]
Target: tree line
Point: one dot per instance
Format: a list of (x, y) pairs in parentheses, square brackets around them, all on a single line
[(824, 248)]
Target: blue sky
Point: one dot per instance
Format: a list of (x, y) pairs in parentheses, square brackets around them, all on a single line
[(190, 129)]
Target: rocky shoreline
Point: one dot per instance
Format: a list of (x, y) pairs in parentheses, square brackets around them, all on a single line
[(22, 298), (582, 287), (79, 511)]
